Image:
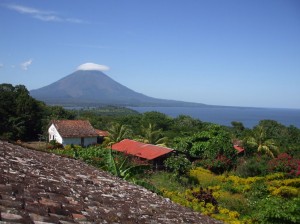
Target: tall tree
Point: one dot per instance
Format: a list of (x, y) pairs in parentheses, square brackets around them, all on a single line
[(20, 114), (185, 125), (259, 140), (117, 132), (212, 146), (152, 135), (238, 128), (162, 121)]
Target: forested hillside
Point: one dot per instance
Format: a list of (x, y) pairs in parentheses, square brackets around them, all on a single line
[(24, 118)]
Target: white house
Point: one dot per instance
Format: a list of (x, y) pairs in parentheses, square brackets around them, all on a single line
[(76, 132)]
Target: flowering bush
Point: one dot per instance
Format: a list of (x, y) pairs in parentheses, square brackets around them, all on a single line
[(286, 188), (293, 182), (275, 176), (217, 165), (187, 199), (285, 163), (285, 191)]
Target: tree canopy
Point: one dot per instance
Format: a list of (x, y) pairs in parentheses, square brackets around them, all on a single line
[(22, 117), (20, 114)]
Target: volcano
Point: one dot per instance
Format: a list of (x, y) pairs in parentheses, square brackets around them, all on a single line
[(90, 87)]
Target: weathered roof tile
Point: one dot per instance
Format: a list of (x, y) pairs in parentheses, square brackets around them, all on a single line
[(74, 128), (38, 197)]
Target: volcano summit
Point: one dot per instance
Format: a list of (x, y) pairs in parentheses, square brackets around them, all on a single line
[(89, 86)]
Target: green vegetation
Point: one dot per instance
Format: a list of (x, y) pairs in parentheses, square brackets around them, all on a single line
[(206, 173), (117, 132), (22, 117), (259, 140)]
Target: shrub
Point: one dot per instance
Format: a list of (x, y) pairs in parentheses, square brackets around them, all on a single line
[(254, 166), (187, 199), (235, 202), (294, 182), (54, 145), (218, 165), (205, 177), (278, 210), (258, 190), (285, 163), (178, 164), (230, 187), (275, 176), (286, 192)]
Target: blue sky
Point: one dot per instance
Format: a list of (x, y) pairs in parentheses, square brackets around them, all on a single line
[(234, 52)]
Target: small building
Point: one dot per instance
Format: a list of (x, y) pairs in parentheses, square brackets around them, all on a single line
[(76, 132), (101, 135), (239, 149), (153, 153)]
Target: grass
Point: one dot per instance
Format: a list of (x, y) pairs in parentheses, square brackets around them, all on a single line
[(36, 145), (164, 180)]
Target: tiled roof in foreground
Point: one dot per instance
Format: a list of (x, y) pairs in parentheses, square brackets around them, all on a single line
[(37, 187)]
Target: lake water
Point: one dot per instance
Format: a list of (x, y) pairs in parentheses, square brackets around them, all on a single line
[(225, 115)]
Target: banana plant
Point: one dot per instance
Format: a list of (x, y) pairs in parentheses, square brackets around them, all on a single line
[(121, 167)]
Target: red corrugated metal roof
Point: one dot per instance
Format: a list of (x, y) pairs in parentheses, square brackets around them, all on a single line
[(142, 150), (239, 148)]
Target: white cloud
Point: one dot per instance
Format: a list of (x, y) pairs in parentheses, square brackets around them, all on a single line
[(27, 10), (48, 16), (92, 66), (26, 64)]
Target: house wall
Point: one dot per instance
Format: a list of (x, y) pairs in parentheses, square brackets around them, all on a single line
[(69, 141), (77, 141), (54, 135), (158, 163), (90, 141)]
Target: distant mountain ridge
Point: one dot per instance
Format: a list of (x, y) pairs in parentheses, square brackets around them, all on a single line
[(94, 88)]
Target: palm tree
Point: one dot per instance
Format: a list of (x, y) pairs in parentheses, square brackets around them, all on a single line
[(117, 133), (260, 141), (152, 135)]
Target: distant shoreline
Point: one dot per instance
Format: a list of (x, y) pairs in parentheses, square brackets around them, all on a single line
[(249, 116)]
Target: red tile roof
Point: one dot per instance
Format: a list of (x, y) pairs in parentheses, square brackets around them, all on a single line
[(238, 148), (74, 128), (102, 133), (142, 150)]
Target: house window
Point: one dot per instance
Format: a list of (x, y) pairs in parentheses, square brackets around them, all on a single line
[(82, 141)]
